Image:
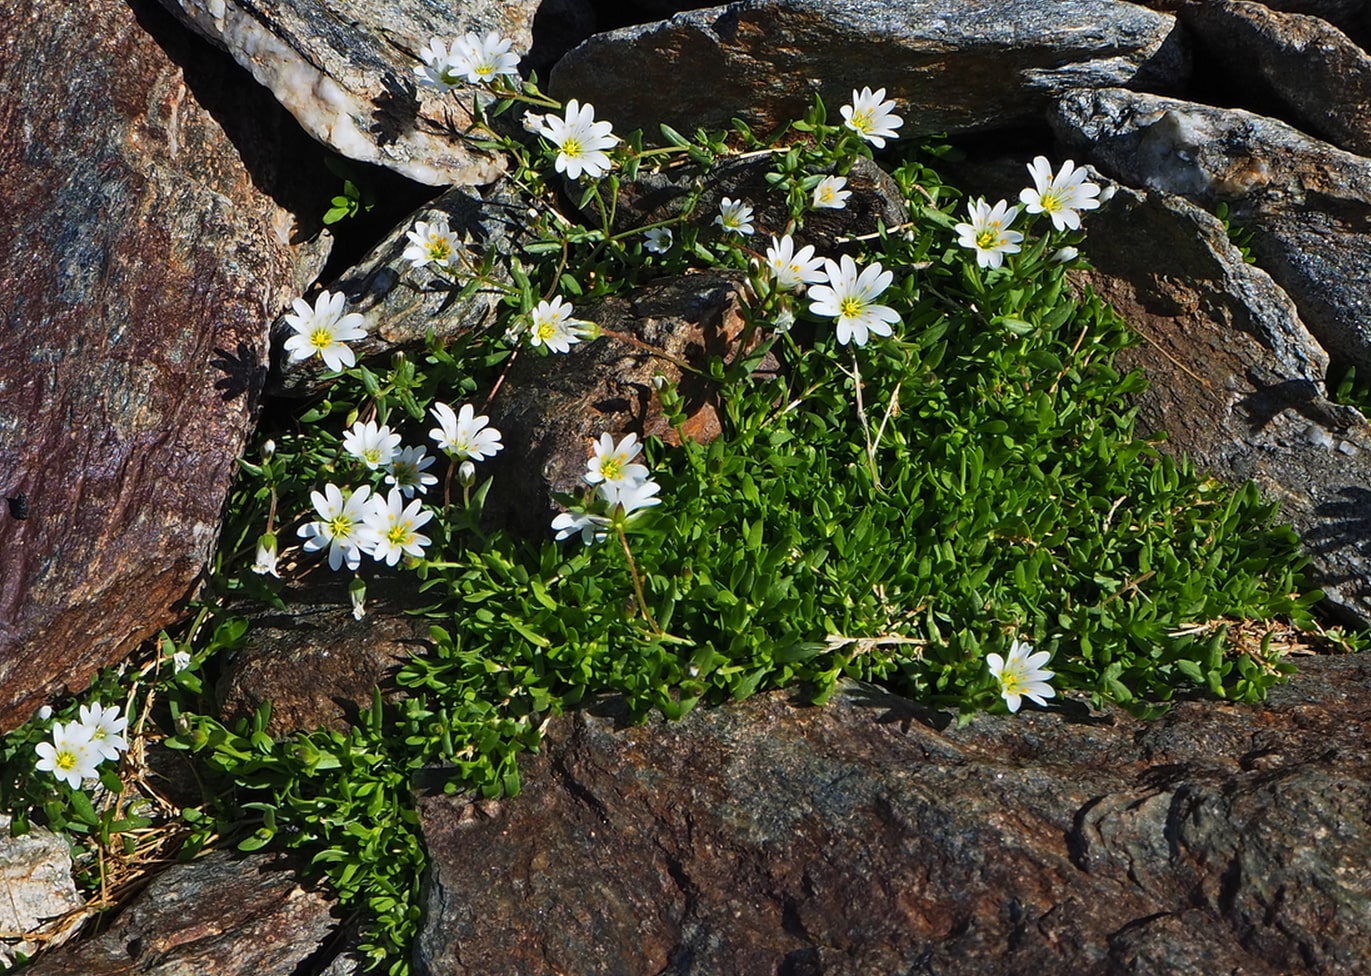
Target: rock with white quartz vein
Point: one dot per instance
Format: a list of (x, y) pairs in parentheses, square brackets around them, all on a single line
[(345, 70)]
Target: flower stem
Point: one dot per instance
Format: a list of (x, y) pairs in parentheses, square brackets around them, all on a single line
[(637, 581)]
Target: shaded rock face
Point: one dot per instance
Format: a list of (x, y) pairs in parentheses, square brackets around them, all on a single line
[(222, 915), (1235, 379), (952, 67), (853, 839), (141, 261), (1306, 203), (35, 878)]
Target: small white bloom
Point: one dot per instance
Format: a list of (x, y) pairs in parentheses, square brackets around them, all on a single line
[(430, 242), (1064, 254), (830, 195), (407, 471), (372, 445), (793, 269), (630, 496), (580, 140), (988, 232), (324, 330), (591, 527), (658, 240), (464, 435), (180, 661), (437, 68), (735, 216), (1021, 675), (785, 320), (1062, 196), (265, 562), (849, 297), (871, 117), (533, 122), (396, 525), (341, 526), (70, 756), (357, 596), (106, 728), (554, 327), (614, 463), (483, 58)]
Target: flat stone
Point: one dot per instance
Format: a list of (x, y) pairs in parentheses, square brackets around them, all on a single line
[(345, 70), (36, 890), (950, 67), (149, 244), (872, 836)]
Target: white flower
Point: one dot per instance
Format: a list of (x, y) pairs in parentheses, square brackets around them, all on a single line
[(341, 526), (790, 268), (735, 216), (554, 327), (464, 435), (373, 446), (830, 195), (268, 449), (265, 562), (395, 525), (438, 69), (70, 756), (533, 122), (630, 496), (44, 712), (1060, 196), (325, 330), (871, 117), (430, 242), (1021, 675), (591, 527), (580, 140), (658, 240), (784, 320), (105, 728), (180, 661), (613, 463), (1064, 254), (483, 58), (406, 471), (849, 298), (988, 232)]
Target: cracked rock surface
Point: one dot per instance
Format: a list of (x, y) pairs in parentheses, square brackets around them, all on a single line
[(859, 838)]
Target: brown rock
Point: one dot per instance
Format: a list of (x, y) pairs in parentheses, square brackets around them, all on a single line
[(225, 915), (141, 264), (869, 836)]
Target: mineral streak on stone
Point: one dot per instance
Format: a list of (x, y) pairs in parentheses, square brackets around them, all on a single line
[(141, 264), (345, 70), (874, 836), (224, 915), (951, 66), (1307, 204)]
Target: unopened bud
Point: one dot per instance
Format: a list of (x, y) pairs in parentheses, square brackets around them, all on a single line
[(357, 593), (466, 473), (268, 449)]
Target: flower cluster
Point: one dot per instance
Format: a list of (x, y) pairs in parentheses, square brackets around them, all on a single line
[(622, 486), (1061, 196), (79, 746), (471, 58), (839, 289)]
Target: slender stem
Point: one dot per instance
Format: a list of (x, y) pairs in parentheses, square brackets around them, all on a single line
[(637, 581), (861, 416)]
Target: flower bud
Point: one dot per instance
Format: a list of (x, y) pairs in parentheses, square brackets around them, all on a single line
[(466, 473), (45, 712), (1064, 255), (357, 593), (268, 449), (265, 563)]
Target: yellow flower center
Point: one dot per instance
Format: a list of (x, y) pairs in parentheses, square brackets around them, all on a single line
[(65, 760), (862, 121), (850, 308), (372, 455), (400, 533), (1050, 201), (572, 147), (321, 338), (988, 237), (339, 527), (546, 330), (612, 468), (439, 249), (1011, 682)]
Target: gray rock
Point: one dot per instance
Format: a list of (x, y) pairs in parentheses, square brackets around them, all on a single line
[(226, 915), (147, 246), (1310, 67), (1307, 204), (345, 70), (870, 836), (36, 890), (1236, 381), (950, 66)]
